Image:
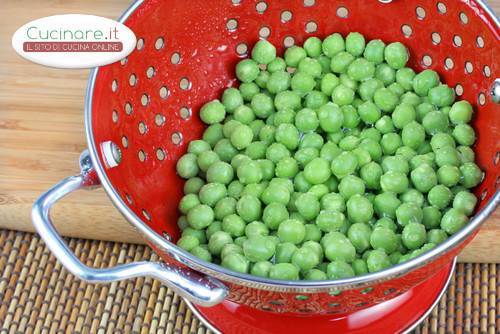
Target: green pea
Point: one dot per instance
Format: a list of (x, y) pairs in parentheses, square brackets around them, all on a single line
[(333, 44), (464, 134), (193, 185), (328, 221), (338, 247), (453, 220), (440, 196), (262, 105), (386, 222), (397, 89), (261, 268), (359, 235), (214, 227), (329, 151), (285, 183), (255, 151), (466, 154), (258, 248), (256, 126), (465, 202), (374, 51), (234, 225), (351, 117), (247, 70), (310, 66), (277, 151), (406, 152), (340, 62), (263, 52), (434, 122), (404, 77), (339, 269), (308, 206), (369, 112), (217, 241), (200, 216), (287, 100), (384, 238), (225, 150), (351, 185), (431, 217), (359, 266), (315, 275), (313, 46), (284, 271), (235, 189), (206, 159), (188, 242), (441, 96), (188, 202), (333, 202), (460, 112), (386, 74), (367, 89), (244, 115), (403, 114), (284, 252), (293, 55), (370, 173), (267, 134), (414, 235), (385, 99), (386, 204), (306, 120), (248, 90), (377, 260), (187, 166), (311, 139), (424, 81), (395, 164), (229, 249), (372, 147), (276, 193), (249, 172), (423, 178), (211, 193), (342, 95), (197, 233), (413, 196), (236, 262), (396, 55), (201, 253), (396, 182), (317, 171), (256, 228), (249, 208), (278, 64), (423, 109), (302, 83), (305, 259), (410, 98), (436, 236), (285, 116), (409, 213), (328, 83), (359, 209), (361, 69), (471, 175), (313, 233), (344, 164), (240, 240)]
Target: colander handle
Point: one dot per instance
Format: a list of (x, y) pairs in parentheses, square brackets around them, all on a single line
[(187, 283)]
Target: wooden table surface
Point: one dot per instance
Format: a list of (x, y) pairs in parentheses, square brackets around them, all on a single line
[(42, 135)]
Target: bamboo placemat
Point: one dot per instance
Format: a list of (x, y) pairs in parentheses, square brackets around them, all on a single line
[(38, 296)]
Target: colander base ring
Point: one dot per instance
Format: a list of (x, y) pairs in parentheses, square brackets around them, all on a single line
[(398, 315)]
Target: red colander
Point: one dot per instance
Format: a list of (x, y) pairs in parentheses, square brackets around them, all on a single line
[(141, 113)]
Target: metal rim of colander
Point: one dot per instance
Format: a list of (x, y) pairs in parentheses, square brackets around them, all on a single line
[(206, 322), (219, 272)]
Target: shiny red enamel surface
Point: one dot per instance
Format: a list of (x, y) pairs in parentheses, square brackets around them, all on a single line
[(197, 31), (393, 316)]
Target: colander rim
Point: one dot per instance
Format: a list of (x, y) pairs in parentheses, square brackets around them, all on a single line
[(227, 275)]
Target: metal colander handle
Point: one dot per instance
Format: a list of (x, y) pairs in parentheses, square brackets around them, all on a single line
[(189, 284)]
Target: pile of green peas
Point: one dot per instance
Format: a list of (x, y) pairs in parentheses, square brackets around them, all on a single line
[(334, 161)]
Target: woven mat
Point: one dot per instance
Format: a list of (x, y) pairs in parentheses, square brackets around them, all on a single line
[(38, 296)]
